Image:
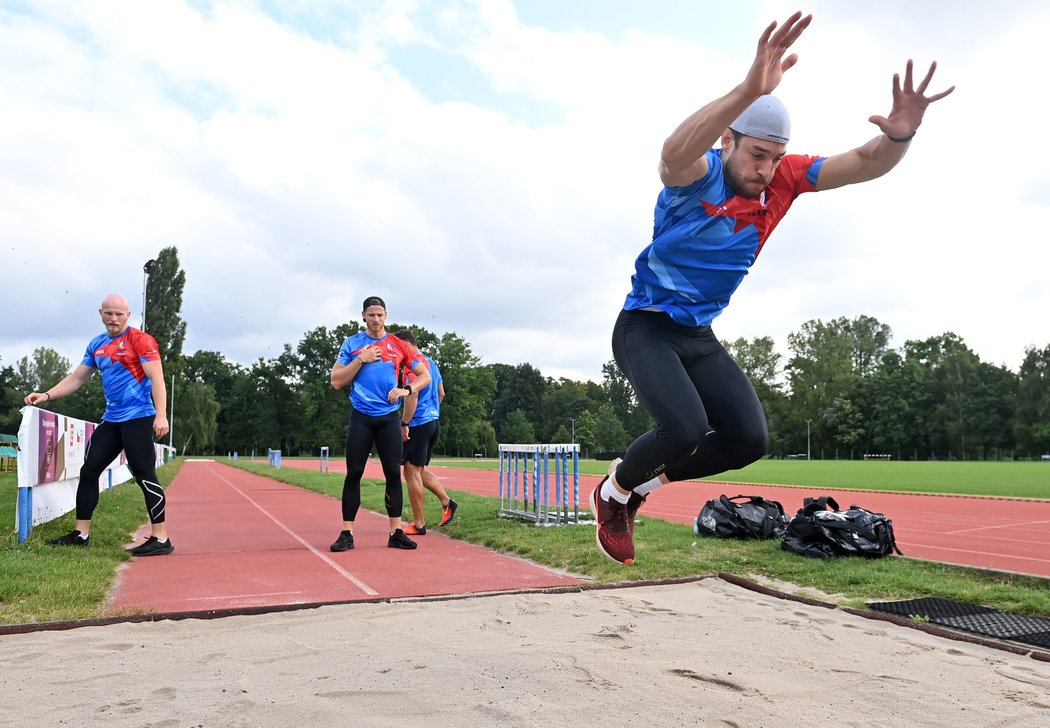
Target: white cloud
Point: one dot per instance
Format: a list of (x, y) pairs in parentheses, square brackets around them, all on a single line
[(298, 171)]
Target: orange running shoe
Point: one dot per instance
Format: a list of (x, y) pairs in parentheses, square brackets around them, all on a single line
[(411, 529), (448, 512)]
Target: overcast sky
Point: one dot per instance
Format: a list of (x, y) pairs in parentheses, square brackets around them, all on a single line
[(489, 168)]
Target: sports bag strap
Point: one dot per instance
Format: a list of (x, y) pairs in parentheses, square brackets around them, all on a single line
[(737, 518)]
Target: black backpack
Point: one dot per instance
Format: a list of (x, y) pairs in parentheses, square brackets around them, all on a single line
[(755, 517), (817, 531)]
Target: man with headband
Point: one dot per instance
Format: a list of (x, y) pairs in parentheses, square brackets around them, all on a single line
[(716, 210), (371, 363)]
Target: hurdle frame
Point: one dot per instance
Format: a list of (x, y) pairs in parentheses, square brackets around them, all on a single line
[(522, 500), (324, 459)]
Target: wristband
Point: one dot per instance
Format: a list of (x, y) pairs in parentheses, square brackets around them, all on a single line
[(405, 424), (48, 395), (900, 140), (409, 388)]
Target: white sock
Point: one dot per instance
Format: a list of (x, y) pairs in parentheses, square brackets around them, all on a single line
[(162, 540), (83, 536), (649, 486), (611, 491)]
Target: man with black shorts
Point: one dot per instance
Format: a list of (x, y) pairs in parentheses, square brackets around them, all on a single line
[(370, 362), (420, 427), (716, 210), (133, 382)]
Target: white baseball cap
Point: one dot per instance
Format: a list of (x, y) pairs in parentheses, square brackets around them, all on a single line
[(766, 118)]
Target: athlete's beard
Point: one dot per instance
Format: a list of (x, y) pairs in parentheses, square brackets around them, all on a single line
[(741, 186)]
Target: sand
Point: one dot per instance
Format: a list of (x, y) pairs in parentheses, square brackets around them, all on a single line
[(706, 653)]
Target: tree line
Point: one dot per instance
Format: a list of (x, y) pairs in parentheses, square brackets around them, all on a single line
[(842, 393)]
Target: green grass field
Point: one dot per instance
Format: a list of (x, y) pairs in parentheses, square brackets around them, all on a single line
[(40, 583), (1012, 479)]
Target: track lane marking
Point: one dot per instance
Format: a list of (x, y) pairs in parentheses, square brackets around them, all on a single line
[(310, 547)]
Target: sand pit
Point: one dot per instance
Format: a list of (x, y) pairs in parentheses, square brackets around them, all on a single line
[(705, 653)]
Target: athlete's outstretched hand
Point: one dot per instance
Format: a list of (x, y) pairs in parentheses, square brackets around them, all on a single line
[(909, 104), (770, 64)]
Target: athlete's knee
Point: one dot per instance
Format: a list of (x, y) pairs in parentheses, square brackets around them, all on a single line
[(681, 439), (751, 445)]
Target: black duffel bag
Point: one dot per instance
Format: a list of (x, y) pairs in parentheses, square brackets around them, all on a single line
[(819, 531), (751, 517)]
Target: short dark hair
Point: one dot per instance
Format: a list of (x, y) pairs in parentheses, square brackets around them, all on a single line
[(407, 336)]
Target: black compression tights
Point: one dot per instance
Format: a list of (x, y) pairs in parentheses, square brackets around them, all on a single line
[(361, 433), (708, 417), (135, 438)]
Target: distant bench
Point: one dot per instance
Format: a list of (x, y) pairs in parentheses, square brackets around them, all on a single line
[(8, 452), (876, 456)]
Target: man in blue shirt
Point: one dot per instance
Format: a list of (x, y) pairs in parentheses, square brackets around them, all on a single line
[(716, 210), (371, 363), (133, 382)]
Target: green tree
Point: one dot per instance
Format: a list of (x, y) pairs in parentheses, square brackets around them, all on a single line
[(586, 433), (324, 408), (761, 363), (620, 394), (518, 387), (465, 423), (562, 403), (195, 423), (609, 434), (164, 309), (517, 429), (829, 360), (1032, 418), (10, 401), (43, 370)]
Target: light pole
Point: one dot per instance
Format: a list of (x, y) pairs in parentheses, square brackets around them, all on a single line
[(807, 440), (147, 269), (572, 423)]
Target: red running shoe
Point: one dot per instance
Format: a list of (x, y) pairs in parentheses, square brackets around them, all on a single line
[(615, 533)]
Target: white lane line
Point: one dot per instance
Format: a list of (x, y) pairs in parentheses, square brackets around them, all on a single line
[(1015, 524), (909, 544), (338, 569)]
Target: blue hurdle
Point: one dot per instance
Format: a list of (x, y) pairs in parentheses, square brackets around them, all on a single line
[(532, 500)]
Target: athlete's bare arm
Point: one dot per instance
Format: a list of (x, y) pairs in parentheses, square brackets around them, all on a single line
[(682, 160), (881, 154), (74, 381)]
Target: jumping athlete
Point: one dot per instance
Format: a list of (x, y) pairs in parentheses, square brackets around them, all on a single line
[(370, 362), (420, 427), (716, 210), (133, 381)]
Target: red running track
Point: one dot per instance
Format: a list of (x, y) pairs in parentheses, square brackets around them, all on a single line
[(242, 540), (1006, 534)]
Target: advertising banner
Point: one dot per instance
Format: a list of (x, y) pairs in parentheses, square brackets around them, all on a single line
[(51, 449)]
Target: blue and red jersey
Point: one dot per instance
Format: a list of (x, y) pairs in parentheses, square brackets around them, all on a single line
[(372, 383), (428, 405), (705, 238), (119, 360)]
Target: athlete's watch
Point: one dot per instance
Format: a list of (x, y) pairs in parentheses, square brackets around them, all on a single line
[(409, 388), (405, 424)]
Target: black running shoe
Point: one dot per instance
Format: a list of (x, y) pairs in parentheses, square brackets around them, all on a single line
[(70, 539), (345, 542), (448, 512), (398, 540), (135, 551), (153, 547)]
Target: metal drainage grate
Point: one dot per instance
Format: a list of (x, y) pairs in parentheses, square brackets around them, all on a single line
[(973, 618)]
